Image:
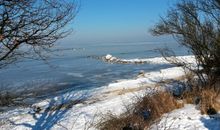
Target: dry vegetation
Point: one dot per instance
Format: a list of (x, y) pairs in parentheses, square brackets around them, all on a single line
[(206, 99), (142, 114), (149, 109)]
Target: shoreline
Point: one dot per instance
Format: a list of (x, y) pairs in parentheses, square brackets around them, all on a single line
[(110, 98)]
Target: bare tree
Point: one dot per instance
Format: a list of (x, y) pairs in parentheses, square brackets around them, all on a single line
[(195, 24), (30, 27)]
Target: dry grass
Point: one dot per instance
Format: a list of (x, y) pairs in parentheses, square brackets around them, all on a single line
[(150, 108), (206, 99), (142, 114)]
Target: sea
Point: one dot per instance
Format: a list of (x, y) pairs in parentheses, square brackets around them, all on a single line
[(72, 67)]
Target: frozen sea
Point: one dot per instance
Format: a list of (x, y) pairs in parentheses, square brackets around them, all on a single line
[(71, 68)]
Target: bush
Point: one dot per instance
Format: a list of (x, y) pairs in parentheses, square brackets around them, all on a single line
[(142, 114), (206, 99), (195, 24)]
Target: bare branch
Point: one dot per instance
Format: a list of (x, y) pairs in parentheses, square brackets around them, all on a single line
[(32, 23)]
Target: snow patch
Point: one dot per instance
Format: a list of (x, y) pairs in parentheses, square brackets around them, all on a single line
[(157, 60), (187, 118)]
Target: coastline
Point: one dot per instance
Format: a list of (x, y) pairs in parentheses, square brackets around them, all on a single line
[(110, 98)]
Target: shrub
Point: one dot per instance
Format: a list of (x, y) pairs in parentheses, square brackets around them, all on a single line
[(142, 114), (195, 24), (206, 99)]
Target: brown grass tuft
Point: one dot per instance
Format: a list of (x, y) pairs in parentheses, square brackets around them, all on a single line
[(206, 99), (142, 114)]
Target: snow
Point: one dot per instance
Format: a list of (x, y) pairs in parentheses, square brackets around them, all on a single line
[(187, 118), (157, 60), (108, 57), (111, 98), (147, 79)]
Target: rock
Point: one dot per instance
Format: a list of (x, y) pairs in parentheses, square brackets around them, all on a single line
[(211, 111), (113, 59), (141, 74), (108, 57), (37, 109)]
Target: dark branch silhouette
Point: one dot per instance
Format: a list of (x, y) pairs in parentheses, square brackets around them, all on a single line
[(195, 24), (30, 27)]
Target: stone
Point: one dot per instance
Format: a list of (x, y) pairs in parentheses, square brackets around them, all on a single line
[(108, 57)]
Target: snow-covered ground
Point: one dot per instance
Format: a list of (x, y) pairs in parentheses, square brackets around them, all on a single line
[(187, 118), (112, 98)]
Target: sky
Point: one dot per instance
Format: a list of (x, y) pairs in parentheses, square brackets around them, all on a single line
[(116, 20)]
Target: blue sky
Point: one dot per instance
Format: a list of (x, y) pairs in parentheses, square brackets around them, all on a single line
[(117, 20)]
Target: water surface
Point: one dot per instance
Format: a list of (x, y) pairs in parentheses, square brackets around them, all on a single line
[(70, 69)]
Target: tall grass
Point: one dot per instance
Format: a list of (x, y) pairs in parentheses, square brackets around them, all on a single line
[(142, 114)]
